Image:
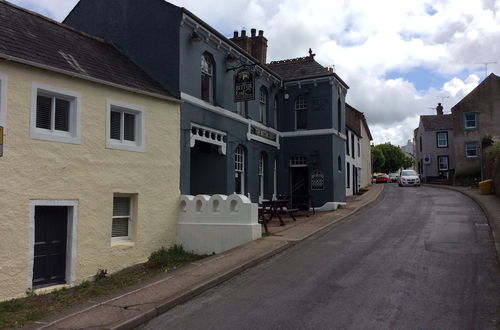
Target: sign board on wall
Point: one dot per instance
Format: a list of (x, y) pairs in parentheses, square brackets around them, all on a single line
[(244, 85)]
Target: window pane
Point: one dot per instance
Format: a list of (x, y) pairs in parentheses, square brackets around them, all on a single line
[(205, 87), (43, 112), (121, 206), (129, 127), (120, 227), (62, 115), (115, 125)]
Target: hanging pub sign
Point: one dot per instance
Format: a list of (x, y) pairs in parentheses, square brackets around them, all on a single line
[(244, 85)]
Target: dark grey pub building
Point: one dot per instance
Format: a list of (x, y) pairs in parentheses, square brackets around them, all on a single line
[(246, 126)]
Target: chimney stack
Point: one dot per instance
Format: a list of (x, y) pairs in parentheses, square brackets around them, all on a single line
[(439, 109), (256, 45)]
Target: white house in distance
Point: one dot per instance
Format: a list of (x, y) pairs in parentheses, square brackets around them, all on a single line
[(358, 152)]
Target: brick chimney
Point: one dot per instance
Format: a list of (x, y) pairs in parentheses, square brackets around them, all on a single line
[(439, 109), (256, 45)]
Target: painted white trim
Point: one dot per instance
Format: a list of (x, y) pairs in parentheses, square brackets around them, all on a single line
[(138, 111), (229, 114), (324, 131), (86, 77), (195, 137), (73, 136), (329, 206), (72, 236), (3, 102)]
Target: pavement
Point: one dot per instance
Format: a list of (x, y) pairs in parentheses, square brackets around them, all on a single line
[(490, 204), (138, 304)]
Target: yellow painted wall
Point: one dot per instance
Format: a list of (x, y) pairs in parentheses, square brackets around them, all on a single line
[(87, 172)]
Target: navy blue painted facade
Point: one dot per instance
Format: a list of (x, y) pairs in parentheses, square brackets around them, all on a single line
[(168, 42)]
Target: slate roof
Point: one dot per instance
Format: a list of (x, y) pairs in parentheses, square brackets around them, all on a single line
[(36, 40), (302, 68), (437, 122)]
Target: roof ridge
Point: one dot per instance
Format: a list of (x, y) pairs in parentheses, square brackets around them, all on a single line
[(293, 60), (50, 20)]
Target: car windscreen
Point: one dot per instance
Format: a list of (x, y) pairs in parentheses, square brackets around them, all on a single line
[(408, 173)]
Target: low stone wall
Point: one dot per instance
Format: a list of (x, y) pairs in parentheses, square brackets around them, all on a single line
[(217, 223)]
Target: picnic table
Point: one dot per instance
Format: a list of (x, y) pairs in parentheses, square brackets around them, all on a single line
[(275, 208)]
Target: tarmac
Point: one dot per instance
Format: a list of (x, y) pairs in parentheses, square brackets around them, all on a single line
[(138, 304)]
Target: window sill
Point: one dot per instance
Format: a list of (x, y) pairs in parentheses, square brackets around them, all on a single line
[(125, 147), (39, 134), (124, 243)]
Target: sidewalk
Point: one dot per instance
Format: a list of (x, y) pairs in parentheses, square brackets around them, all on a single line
[(138, 304), (490, 204)]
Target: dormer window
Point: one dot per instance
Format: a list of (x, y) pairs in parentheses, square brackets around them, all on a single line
[(207, 78)]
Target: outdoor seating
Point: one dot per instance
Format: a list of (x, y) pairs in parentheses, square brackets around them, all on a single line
[(269, 209), (303, 203)]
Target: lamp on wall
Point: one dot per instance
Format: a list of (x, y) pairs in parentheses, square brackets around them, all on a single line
[(195, 37), (286, 96)]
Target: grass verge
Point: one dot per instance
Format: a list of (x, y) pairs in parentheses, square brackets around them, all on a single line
[(22, 311)]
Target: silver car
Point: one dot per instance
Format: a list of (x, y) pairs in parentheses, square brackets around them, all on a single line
[(409, 178)]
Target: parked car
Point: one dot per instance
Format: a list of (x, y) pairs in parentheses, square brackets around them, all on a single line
[(382, 178), (409, 178), (394, 177)]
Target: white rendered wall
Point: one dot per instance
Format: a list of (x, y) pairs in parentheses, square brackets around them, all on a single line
[(217, 223)]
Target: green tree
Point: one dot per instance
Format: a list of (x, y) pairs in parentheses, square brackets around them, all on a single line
[(394, 158), (378, 159), (408, 162)]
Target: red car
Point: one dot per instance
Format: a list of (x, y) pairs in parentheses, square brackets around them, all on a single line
[(382, 178)]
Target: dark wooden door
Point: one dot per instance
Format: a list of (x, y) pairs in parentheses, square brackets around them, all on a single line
[(299, 186), (49, 264)]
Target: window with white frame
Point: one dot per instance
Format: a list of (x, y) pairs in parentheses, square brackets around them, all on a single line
[(470, 120), (300, 113), (471, 150), (263, 105), (122, 217), (3, 100), (239, 169), (241, 108), (359, 149), (442, 163), (442, 139), (261, 176), (125, 126), (55, 114), (207, 83), (298, 161)]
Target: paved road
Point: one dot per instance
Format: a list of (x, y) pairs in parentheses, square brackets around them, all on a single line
[(417, 258)]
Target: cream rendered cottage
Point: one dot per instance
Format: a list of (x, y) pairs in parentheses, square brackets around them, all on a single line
[(89, 177)]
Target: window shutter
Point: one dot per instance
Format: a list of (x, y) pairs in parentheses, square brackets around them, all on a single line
[(129, 127), (115, 125), (43, 112), (62, 115)]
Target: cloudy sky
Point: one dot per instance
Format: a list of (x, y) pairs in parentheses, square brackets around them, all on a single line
[(400, 58)]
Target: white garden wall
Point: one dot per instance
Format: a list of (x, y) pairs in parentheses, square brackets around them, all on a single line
[(217, 223)]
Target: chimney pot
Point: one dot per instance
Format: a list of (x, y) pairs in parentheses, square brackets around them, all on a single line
[(252, 31), (243, 33), (261, 33), (235, 34)]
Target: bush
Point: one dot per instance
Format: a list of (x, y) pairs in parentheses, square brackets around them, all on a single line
[(467, 178), (166, 257)]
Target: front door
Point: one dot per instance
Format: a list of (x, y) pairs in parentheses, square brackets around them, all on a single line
[(49, 263), (299, 187)]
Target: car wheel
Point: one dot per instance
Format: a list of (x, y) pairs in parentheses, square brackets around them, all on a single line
[(400, 185)]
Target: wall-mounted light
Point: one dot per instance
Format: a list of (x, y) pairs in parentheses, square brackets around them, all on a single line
[(286, 96), (195, 37)]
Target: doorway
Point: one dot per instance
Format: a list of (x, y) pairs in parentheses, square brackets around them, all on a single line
[(51, 237)]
